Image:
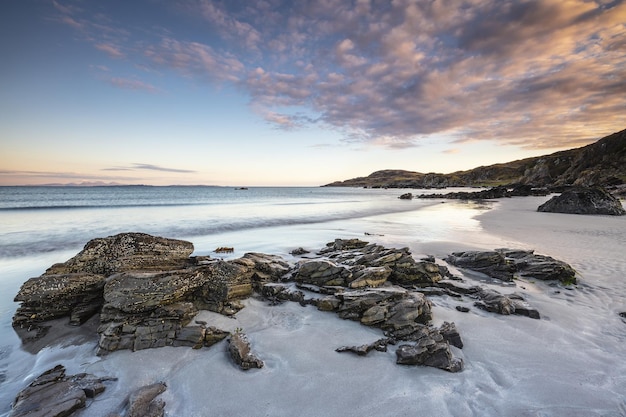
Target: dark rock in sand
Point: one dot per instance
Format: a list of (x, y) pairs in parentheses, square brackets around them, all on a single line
[(362, 350), (505, 265), (54, 394), (429, 349), (406, 196), (493, 301), (239, 349), (144, 402), (594, 200)]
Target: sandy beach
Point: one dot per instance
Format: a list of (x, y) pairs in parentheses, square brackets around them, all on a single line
[(571, 362)]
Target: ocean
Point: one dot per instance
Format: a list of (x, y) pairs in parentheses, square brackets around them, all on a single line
[(572, 362)]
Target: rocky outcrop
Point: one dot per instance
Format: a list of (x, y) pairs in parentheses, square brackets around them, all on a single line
[(146, 290), (127, 252), (356, 255), (584, 201), (55, 394), (506, 265)]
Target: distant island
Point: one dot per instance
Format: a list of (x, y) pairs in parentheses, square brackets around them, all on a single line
[(602, 163)]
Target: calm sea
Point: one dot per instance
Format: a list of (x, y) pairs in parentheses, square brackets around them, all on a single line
[(37, 220)]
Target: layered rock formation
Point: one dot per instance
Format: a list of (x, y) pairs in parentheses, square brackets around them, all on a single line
[(506, 265), (146, 289), (55, 394)]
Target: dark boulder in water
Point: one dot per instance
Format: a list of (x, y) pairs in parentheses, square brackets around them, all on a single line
[(594, 200)]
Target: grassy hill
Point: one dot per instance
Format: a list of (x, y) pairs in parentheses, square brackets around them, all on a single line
[(600, 163)]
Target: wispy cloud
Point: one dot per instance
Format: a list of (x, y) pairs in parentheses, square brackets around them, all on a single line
[(132, 84), (531, 73), (112, 50), (149, 167)]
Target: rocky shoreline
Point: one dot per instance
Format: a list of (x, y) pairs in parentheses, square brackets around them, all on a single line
[(145, 291)]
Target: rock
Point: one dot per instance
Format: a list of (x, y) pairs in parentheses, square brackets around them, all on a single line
[(78, 295), (144, 402), (362, 350), (594, 200), (406, 196), (491, 263), (506, 264), (405, 270), (493, 301), (342, 245), (267, 268), (430, 349), (54, 394), (239, 349), (373, 276), (451, 334), (299, 251), (322, 273), (127, 252), (462, 309)]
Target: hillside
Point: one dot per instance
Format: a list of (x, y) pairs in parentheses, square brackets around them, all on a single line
[(600, 163)]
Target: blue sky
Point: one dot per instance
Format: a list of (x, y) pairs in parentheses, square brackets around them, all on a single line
[(277, 92)]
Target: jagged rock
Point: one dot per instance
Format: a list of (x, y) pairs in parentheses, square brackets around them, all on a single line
[(239, 349), (144, 402), (405, 270), (451, 334), (373, 276), (506, 264), (322, 272), (48, 297), (430, 349), (267, 268), (594, 200), (54, 394), (495, 302), (406, 196), (362, 350), (342, 245)]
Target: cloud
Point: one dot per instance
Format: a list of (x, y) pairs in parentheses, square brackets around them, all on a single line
[(132, 84), (149, 167), (530, 73), (111, 50)]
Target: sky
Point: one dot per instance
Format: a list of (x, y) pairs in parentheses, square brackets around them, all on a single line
[(299, 93)]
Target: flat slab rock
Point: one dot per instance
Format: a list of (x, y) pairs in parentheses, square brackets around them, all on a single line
[(54, 394), (508, 264)]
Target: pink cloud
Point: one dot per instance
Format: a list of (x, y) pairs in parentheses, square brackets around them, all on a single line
[(111, 50)]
